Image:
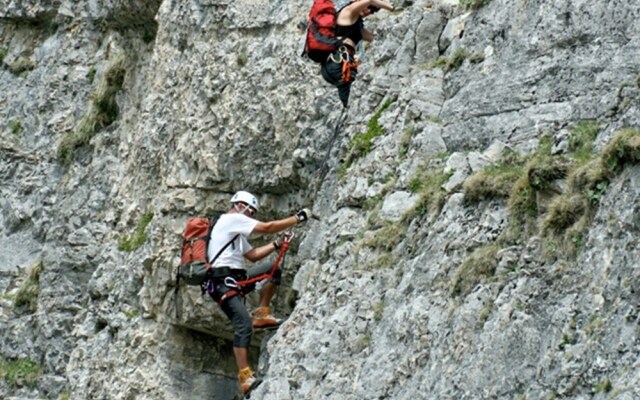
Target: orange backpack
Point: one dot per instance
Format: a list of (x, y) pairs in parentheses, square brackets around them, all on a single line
[(194, 266)]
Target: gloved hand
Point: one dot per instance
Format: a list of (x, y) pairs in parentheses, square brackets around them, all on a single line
[(304, 215)]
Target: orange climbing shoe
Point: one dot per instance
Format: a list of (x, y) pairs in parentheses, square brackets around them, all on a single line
[(247, 380), (262, 318)]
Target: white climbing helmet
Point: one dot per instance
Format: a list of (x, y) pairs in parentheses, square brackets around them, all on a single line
[(247, 198)]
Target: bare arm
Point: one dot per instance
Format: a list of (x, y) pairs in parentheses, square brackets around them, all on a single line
[(351, 13), (258, 253), (275, 226)]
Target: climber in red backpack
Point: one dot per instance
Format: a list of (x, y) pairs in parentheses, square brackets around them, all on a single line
[(332, 37), (231, 281)]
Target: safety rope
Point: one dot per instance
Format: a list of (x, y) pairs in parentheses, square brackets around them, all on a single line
[(283, 249)]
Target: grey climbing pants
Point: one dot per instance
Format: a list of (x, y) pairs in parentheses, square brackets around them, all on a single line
[(234, 307)]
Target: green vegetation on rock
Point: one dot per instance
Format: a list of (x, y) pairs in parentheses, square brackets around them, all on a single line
[(538, 205), (478, 267), (103, 111), (452, 63), (474, 4), (21, 372), (427, 182), (362, 142), (139, 236), (28, 293)]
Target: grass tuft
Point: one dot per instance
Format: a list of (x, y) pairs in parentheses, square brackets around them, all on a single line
[(29, 291), (474, 4), (22, 372), (494, 181), (428, 183), (102, 112), (21, 65), (478, 267), (565, 210), (622, 150), (453, 63), (581, 140), (137, 239), (387, 237), (362, 142)]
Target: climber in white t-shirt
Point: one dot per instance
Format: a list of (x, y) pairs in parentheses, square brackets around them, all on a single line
[(232, 230)]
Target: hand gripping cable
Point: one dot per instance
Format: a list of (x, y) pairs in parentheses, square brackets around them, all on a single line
[(276, 264)]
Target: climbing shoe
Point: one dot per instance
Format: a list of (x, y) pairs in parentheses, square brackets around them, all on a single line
[(262, 318), (247, 380)]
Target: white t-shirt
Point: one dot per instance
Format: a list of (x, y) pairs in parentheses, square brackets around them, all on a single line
[(228, 226)]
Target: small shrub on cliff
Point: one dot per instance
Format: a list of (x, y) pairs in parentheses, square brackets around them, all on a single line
[(22, 372), (28, 293), (3, 54), (137, 239)]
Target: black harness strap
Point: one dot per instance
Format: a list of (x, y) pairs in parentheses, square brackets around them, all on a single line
[(209, 264)]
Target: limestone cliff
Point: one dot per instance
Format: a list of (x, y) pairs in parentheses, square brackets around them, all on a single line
[(479, 199)]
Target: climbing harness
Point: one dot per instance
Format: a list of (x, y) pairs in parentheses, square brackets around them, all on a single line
[(244, 286), (345, 56)]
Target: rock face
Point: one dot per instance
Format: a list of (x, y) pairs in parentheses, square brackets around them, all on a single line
[(121, 119)]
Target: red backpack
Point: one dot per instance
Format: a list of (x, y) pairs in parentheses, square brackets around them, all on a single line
[(321, 31)]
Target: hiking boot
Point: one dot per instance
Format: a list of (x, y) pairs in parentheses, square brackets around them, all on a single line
[(262, 318), (247, 380)]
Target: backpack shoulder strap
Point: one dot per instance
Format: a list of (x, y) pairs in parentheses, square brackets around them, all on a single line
[(223, 249)]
